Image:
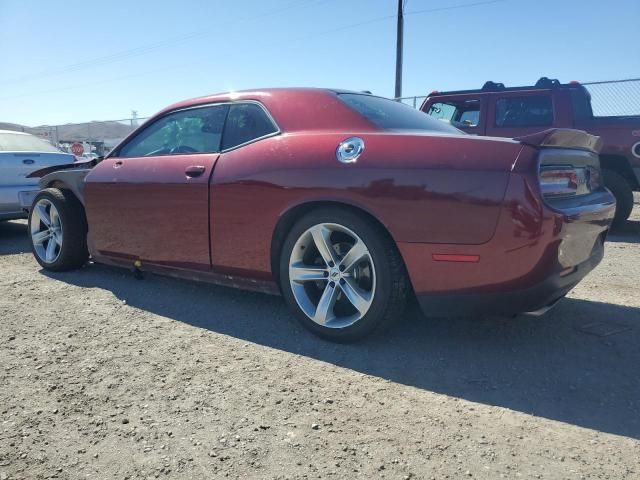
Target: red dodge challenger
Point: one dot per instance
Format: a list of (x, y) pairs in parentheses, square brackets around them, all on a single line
[(345, 203)]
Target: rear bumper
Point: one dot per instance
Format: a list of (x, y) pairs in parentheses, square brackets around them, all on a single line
[(532, 299), (15, 200), (12, 215), (26, 198), (538, 253)]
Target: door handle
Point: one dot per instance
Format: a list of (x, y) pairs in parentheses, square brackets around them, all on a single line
[(117, 164), (194, 171)]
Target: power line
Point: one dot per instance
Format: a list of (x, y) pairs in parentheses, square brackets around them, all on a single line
[(304, 37), (143, 49), (454, 7)]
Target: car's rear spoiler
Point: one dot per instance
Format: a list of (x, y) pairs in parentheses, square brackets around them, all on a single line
[(80, 164), (563, 138)]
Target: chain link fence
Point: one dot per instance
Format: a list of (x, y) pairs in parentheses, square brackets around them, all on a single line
[(611, 98), (414, 102), (616, 98), (608, 98), (96, 137)]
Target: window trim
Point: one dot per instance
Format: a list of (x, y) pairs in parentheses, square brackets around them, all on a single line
[(537, 94), (116, 151)]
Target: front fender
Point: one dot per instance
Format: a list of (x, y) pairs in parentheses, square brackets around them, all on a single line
[(69, 179)]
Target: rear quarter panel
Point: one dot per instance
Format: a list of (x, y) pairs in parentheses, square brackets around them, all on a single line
[(434, 189)]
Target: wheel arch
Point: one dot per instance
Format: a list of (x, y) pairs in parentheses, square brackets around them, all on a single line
[(296, 212), (59, 184), (70, 180), (619, 164)]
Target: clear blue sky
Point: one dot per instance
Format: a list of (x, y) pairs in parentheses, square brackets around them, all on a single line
[(78, 60)]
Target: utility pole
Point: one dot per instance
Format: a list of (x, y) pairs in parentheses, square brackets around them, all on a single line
[(399, 39)]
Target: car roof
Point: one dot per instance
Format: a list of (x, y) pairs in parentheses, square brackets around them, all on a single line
[(292, 109), (257, 94), (14, 131)]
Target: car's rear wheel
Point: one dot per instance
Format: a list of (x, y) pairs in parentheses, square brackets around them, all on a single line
[(342, 275), (58, 231), (623, 192)]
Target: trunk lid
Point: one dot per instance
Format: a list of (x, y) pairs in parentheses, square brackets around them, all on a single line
[(15, 167)]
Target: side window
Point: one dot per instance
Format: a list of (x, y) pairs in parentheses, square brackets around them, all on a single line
[(196, 130), (470, 117), (246, 122), (461, 114), (529, 111), (442, 111)]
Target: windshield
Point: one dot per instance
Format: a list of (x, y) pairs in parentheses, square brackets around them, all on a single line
[(19, 142), (391, 115)]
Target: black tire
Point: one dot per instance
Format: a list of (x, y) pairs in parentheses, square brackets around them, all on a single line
[(623, 192), (73, 253), (391, 285)]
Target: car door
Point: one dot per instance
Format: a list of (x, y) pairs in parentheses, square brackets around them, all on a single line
[(521, 113), (149, 200), (248, 141)]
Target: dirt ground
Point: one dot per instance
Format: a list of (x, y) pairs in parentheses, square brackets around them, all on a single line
[(106, 376)]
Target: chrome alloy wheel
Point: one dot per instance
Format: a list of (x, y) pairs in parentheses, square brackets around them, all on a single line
[(332, 275), (46, 231)]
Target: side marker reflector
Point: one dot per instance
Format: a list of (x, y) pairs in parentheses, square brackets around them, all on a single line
[(455, 257)]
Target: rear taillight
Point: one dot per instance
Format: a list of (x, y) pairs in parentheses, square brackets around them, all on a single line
[(568, 181)]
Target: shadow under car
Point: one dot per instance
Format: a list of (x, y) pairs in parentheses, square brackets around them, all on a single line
[(578, 364)]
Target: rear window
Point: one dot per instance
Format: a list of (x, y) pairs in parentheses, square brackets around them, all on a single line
[(390, 115), (19, 142)]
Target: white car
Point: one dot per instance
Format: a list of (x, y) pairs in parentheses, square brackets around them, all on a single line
[(20, 155)]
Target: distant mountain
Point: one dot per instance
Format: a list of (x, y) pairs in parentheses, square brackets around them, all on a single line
[(83, 132), (77, 132), (14, 126)]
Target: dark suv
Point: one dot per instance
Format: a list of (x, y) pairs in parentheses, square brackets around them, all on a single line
[(498, 111)]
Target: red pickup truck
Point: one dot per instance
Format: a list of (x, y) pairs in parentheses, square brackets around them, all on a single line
[(498, 111)]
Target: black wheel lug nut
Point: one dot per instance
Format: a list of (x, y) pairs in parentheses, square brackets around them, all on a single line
[(342, 281), (332, 284), (326, 274), (342, 268), (331, 264)]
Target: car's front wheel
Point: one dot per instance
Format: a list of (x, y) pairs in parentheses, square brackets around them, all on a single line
[(58, 231), (342, 275)]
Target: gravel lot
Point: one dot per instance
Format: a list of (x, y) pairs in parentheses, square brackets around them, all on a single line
[(105, 376)]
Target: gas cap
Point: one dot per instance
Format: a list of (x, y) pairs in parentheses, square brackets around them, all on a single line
[(349, 150)]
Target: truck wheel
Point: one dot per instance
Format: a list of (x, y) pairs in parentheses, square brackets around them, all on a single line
[(58, 230), (341, 275), (621, 189)]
